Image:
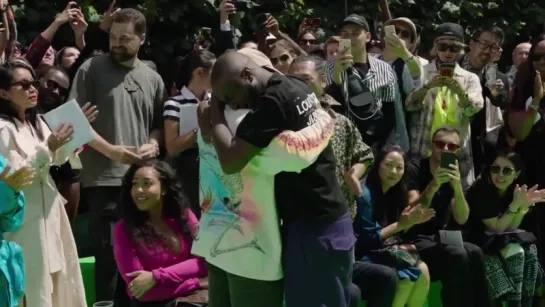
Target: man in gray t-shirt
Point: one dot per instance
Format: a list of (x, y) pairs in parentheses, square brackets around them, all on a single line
[(130, 97)]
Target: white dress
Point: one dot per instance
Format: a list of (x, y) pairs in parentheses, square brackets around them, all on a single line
[(53, 275)]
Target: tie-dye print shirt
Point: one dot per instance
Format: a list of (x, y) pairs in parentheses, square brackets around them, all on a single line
[(239, 228)]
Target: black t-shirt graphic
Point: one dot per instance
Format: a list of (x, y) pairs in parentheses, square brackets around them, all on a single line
[(289, 104)]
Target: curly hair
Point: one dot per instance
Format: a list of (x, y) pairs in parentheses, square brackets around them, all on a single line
[(175, 204)]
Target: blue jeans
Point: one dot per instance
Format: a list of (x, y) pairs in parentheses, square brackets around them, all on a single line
[(317, 260)]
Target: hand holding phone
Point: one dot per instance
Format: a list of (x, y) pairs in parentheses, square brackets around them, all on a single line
[(260, 20), (240, 5), (389, 30), (345, 46)]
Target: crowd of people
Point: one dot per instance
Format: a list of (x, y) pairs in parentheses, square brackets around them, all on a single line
[(274, 172)]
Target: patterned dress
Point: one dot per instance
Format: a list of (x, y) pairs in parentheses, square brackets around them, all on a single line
[(348, 148)]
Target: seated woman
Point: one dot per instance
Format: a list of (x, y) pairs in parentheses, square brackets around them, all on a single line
[(12, 210), (498, 206), (152, 243), (382, 214)]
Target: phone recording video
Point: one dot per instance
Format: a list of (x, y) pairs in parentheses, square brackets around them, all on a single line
[(240, 5), (447, 70), (312, 22), (260, 19), (448, 158)]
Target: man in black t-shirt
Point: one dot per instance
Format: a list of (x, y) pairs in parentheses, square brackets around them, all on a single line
[(459, 268), (317, 229)]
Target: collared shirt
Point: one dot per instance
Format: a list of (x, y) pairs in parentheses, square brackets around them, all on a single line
[(381, 81), (348, 148), (423, 111)]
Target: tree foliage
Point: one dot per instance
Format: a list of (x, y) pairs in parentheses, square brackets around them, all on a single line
[(172, 23)]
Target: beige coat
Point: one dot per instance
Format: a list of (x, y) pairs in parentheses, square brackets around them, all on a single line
[(53, 275)]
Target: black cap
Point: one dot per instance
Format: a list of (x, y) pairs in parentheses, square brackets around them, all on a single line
[(356, 20), (451, 29)]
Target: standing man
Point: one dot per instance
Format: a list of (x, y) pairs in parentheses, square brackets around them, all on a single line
[(131, 96), (317, 229), (520, 55)]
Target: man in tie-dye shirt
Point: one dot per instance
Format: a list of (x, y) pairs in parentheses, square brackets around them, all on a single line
[(314, 213)]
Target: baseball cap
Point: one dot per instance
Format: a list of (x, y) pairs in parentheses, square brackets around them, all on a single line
[(356, 20), (406, 21), (258, 57), (452, 30)]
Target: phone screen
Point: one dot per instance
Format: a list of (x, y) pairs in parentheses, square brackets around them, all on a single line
[(447, 69), (447, 158), (312, 22)]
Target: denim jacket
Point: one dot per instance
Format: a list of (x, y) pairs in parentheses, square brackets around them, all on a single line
[(12, 269)]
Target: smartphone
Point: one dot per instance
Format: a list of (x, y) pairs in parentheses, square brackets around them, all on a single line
[(240, 5), (345, 44), (491, 74), (205, 33), (74, 6), (447, 158), (260, 19), (389, 30), (447, 70), (312, 22)]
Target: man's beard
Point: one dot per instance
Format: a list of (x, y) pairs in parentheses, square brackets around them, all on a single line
[(122, 56)]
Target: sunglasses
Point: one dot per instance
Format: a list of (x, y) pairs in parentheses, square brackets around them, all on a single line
[(536, 57), (444, 145), (26, 85), (54, 85), (402, 33), (448, 47), (506, 171), (487, 46), (307, 42), (282, 58)]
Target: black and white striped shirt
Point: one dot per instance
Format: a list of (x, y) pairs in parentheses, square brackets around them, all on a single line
[(175, 105)]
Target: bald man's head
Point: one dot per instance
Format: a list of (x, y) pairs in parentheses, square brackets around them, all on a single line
[(236, 79), (520, 54)]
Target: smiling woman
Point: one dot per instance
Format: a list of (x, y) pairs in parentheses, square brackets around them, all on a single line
[(158, 225)]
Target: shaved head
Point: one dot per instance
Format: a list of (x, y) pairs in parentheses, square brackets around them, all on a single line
[(520, 54), (230, 65), (237, 80)]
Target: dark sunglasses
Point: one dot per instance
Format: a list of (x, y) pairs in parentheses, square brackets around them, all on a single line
[(449, 47), (54, 85), (506, 171), (487, 46), (444, 145), (402, 33), (282, 58), (307, 42), (536, 57), (25, 84)]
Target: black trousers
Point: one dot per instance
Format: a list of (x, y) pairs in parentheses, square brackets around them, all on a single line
[(460, 270), (377, 283), (103, 206)]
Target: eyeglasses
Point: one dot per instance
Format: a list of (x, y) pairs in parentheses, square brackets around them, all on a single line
[(402, 33), (506, 171), (282, 58), (54, 85), (487, 46), (448, 47), (307, 42), (446, 146), (26, 84), (536, 57)]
